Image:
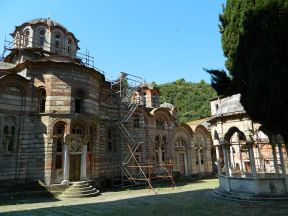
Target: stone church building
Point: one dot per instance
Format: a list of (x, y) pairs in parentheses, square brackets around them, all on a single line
[(61, 120)]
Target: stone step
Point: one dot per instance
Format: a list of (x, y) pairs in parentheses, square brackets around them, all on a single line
[(80, 183), (79, 193), (93, 194), (72, 190), (79, 189), (81, 186)]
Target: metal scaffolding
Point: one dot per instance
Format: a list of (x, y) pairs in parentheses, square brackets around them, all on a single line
[(21, 42), (138, 164)]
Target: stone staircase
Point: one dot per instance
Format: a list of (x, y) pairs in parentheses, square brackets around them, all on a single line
[(79, 189)]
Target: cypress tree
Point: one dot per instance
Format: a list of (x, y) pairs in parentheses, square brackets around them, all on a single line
[(255, 42)]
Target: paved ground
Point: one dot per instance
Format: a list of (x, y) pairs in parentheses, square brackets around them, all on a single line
[(187, 199)]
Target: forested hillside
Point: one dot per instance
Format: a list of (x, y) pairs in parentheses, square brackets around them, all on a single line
[(191, 99)]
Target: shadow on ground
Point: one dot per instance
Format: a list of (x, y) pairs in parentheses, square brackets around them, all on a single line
[(197, 202)]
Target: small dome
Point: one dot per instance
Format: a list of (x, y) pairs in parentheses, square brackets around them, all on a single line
[(167, 105), (46, 21)]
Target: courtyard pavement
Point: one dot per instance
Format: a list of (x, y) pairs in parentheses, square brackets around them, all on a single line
[(187, 199)]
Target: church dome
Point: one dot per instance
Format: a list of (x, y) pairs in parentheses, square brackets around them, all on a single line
[(47, 34), (49, 22)]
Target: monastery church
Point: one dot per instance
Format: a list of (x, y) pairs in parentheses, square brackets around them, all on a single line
[(62, 121)]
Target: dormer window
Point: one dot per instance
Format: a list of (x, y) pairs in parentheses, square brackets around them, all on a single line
[(41, 37)]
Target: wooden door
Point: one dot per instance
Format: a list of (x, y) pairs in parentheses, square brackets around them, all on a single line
[(74, 171), (181, 163)]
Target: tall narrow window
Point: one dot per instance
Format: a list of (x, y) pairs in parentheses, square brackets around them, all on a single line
[(41, 37), (5, 136), (69, 46), (58, 134), (57, 41), (157, 148), (110, 140), (202, 155), (136, 121), (26, 38), (153, 100), (8, 135), (42, 100), (11, 140), (79, 102), (163, 148)]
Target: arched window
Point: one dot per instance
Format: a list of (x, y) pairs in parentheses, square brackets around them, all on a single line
[(77, 129), (79, 97), (157, 148), (60, 129), (9, 133), (26, 38), (57, 40), (160, 124), (69, 46), (180, 143), (202, 155), (41, 37), (136, 121), (42, 100), (153, 100), (163, 149), (58, 137)]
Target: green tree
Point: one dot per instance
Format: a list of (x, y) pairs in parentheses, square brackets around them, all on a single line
[(255, 42), (191, 99)]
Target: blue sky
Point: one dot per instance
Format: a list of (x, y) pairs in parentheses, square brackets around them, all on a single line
[(160, 40)]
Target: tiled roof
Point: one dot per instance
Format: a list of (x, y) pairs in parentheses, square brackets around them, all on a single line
[(48, 21), (230, 105)]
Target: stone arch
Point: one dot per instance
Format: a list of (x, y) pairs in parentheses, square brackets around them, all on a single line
[(231, 132), (56, 121)]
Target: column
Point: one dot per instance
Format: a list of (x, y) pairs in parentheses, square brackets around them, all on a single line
[(216, 144), (66, 164), (240, 156), (232, 161), (282, 158), (251, 157), (275, 160), (84, 163), (284, 172), (227, 170), (199, 160)]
